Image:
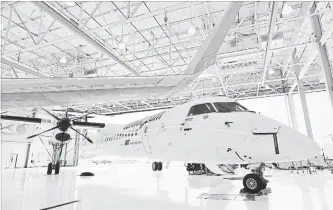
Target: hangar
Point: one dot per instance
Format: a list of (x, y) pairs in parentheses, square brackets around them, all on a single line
[(208, 105)]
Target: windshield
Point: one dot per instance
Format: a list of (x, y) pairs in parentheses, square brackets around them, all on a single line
[(201, 109), (229, 107)]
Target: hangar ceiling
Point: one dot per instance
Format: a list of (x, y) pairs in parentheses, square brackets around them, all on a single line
[(98, 39)]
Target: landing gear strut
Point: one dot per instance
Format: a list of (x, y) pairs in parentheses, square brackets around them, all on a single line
[(157, 166), (55, 162), (255, 182)]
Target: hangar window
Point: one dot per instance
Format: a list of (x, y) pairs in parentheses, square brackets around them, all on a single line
[(201, 109), (229, 107)]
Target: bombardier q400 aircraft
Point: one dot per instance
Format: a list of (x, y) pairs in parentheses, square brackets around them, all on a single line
[(211, 131)]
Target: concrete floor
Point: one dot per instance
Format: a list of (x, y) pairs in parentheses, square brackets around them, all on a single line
[(134, 187)]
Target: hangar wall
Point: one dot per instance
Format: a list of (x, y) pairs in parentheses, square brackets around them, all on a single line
[(13, 154), (319, 110), (16, 144)]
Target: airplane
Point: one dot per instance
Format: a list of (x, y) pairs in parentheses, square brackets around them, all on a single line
[(216, 131), (43, 92), (213, 131)]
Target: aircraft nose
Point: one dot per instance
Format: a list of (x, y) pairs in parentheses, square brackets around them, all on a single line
[(297, 146), (286, 143)]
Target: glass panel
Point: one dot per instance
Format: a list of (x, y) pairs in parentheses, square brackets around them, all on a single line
[(201, 109), (229, 107)]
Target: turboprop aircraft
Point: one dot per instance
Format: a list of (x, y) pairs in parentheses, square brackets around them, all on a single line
[(213, 131)]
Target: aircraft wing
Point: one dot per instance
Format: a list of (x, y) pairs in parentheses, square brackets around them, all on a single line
[(206, 55), (47, 121), (62, 91), (43, 92)]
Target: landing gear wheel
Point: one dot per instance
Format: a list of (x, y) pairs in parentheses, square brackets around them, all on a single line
[(154, 166), (253, 183), (160, 166), (49, 169), (57, 168)]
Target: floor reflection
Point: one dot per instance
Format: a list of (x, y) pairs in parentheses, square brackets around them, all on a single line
[(123, 187)]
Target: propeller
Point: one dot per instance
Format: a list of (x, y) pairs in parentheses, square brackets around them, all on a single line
[(63, 124)]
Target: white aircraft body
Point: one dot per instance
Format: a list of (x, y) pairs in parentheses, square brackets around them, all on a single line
[(210, 130)]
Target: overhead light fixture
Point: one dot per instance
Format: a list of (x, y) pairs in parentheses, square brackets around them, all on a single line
[(286, 10), (63, 59), (70, 3), (271, 71), (191, 30)]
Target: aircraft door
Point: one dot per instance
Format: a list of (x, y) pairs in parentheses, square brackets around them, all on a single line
[(145, 139), (195, 129)]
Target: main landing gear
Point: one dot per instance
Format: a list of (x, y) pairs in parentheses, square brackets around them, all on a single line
[(56, 168), (157, 166), (55, 161), (255, 182)]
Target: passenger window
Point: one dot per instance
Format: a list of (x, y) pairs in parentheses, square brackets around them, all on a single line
[(201, 109)]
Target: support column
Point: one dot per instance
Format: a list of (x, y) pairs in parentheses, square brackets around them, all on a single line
[(291, 109), (322, 49), (76, 149), (303, 99), (27, 156)]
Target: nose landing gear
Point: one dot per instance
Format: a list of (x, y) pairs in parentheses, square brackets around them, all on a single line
[(255, 182)]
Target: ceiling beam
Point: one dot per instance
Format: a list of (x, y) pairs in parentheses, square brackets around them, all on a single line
[(304, 69), (22, 68), (323, 54), (53, 13), (326, 35), (269, 42), (135, 9), (294, 37)]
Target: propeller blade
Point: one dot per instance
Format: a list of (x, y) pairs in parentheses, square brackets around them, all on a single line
[(88, 139), (22, 119), (43, 132), (88, 124), (55, 117)]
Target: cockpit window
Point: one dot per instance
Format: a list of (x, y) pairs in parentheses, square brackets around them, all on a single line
[(229, 107), (201, 109)]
